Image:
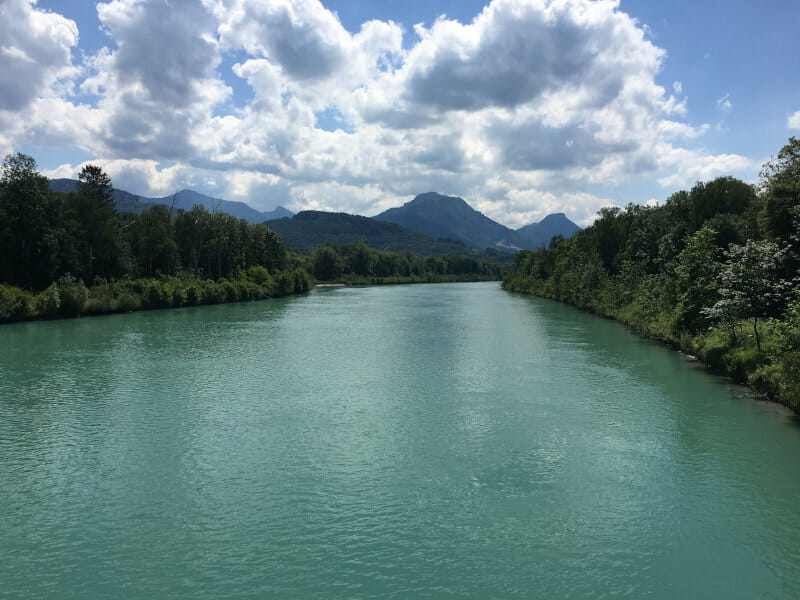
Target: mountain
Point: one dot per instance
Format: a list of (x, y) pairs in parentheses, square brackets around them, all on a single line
[(451, 217), (125, 201), (539, 234), (184, 199), (308, 229)]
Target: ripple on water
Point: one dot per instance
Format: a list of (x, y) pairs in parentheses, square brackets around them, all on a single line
[(423, 441)]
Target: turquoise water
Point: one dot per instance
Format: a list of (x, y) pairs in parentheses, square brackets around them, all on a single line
[(428, 441)]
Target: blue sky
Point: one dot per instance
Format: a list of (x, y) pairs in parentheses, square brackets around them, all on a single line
[(522, 107)]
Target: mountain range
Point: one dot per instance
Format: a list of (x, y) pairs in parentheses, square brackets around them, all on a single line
[(183, 199), (429, 225), (451, 217)]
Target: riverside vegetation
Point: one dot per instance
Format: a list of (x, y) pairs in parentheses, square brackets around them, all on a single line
[(713, 271), (52, 244)]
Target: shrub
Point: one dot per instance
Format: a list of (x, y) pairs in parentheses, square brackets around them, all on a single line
[(258, 274), (99, 305), (192, 295), (73, 294), (48, 302), (229, 291), (302, 283), (15, 304), (129, 301), (284, 284), (211, 292)]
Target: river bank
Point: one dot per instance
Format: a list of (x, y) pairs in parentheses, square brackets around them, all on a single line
[(69, 297), (739, 358)]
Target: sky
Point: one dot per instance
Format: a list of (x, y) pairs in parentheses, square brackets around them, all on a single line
[(521, 107)]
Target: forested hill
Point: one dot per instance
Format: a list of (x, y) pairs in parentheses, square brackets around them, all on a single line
[(183, 199), (451, 217), (537, 235), (713, 271), (310, 229)]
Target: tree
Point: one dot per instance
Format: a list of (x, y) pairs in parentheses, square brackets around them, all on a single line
[(780, 183), (30, 232), (94, 181), (750, 286), (327, 264), (153, 242), (94, 226), (783, 169), (696, 273)]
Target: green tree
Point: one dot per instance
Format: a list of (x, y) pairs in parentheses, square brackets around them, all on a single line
[(780, 183), (326, 263), (30, 233), (696, 273), (94, 226), (783, 169), (153, 242), (750, 286)]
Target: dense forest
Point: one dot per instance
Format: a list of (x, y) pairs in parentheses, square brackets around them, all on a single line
[(713, 271), (358, 264), (309, 229), (72, 253)]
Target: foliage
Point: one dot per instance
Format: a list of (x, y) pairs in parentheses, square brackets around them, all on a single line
[(308, 230), (356, 263), (15, 304), (56, 243), (697, 272), (749, 285)]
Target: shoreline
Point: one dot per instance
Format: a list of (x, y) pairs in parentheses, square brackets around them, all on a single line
[(763, 394), (69, 298), (74, 300)]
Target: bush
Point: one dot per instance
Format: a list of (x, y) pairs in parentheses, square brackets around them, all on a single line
[(193, 297), (129, 302), (211, 293), (73, 294), (259, 275), (176, 291), (15, 304), (284, 284), (302, 282), (48, 302), (229, 291), (100, 305)]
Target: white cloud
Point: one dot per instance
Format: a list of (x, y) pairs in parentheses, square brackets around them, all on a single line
[(523, 207), (35, 51), (527, 109), (691, 166), (159, 83), (793, 121), (724, 103)]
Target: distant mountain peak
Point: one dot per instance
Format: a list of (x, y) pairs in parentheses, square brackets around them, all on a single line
[(438, 199), (453, 218), (182, 199), (539, 234)]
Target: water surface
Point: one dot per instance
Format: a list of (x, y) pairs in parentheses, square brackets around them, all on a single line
[(403, 441)]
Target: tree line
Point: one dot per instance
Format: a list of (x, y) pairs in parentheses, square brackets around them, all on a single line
[(713, 271), (67, 254), (357, 263)]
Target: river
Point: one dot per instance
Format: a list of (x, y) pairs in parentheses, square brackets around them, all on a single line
[(423, 441)]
